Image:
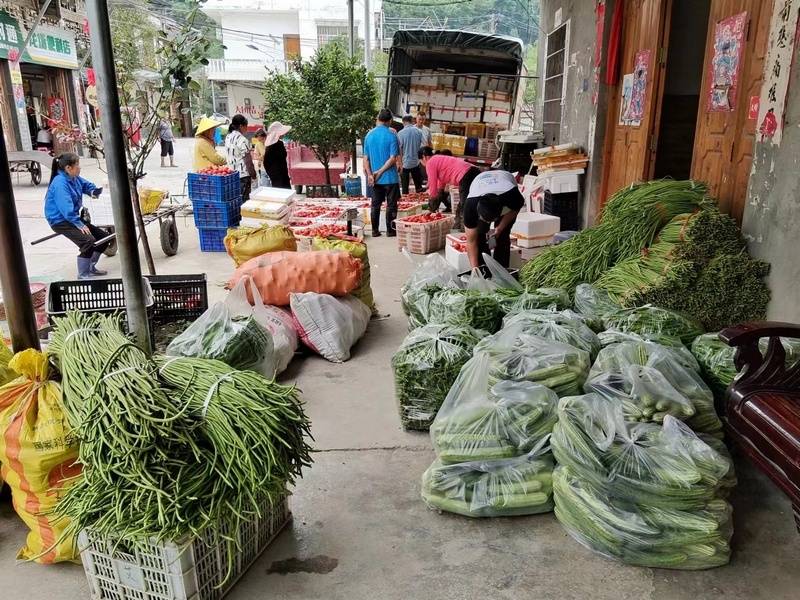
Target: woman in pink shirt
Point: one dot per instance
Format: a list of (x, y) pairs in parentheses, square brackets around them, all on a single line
[(447, 170)]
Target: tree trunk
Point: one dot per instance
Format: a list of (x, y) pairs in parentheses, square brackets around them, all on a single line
[(185, 107), (326, 164), (137, 211)]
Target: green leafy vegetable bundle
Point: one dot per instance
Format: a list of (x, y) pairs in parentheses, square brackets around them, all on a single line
[(515, 355), (481, 421), (646, 494), (172, 446), (466, 308), (425, 367), (631, 220), (652, 381), (514, 300), (653, 320), (566, 327), (434, 273), (497, 488)]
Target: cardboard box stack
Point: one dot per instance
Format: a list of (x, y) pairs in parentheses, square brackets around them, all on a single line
[(268, 206), (559, 159)]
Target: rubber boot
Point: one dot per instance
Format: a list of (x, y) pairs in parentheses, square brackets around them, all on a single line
[(84, 268), (163, 161), (93, 261), (172, 161)]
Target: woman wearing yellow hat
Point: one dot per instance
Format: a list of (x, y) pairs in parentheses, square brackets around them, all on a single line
[(205, 153)]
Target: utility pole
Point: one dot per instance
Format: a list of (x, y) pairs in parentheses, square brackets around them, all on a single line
[(13, 271), (351, 22), (367, 36), (117, 166)]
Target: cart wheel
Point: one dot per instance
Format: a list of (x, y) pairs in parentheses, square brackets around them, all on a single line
[(169, 236), (36, 173), (111, 250)]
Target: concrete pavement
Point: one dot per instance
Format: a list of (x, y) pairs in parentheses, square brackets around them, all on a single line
[(360, 529)]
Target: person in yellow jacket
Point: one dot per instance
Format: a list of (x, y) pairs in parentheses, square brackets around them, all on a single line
[(205, 153)]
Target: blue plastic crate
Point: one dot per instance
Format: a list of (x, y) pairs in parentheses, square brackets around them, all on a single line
[(212, 240), (215, 187), (212, 214)]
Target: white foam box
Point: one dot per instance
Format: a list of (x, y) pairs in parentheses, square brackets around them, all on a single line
[(536, 225), (265, 209), (252, 222), (426, 77), (271, 194), (457, 258), (469, 101), (526, 253), (516, 260), (467, 83)]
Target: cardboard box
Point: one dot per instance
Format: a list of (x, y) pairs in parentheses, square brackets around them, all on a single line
[(501, 84), (475, 130), (457, 258), (469, 101), (467, 115), (467, 83), (424, 77), (497, 117)]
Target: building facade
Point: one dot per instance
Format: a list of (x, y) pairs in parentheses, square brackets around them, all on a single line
[(700, 89), (262, 36), (41, 83)]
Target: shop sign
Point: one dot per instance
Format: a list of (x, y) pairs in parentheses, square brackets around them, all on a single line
[(11, 38), (53, 47)]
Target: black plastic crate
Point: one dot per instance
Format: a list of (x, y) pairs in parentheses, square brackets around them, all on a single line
[(177, 297), (564, 206)]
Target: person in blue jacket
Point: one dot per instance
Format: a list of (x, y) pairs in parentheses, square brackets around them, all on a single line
[(62, 208)]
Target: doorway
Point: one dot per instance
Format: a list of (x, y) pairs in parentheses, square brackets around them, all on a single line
[(682, 85)]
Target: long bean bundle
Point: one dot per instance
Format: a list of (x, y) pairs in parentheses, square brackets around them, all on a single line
[(169, 457)]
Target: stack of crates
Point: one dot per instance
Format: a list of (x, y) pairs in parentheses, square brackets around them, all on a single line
[(217, 205)]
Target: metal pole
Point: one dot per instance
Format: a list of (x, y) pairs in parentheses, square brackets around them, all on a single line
[(352, 24), (114, 150), (213, 98), (367, 36), (13, 272), (27, 41)]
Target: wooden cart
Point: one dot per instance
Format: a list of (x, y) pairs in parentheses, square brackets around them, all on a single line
[(32, 161)]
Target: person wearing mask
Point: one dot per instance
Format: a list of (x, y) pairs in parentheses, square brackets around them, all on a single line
[(167, 139), (381, 153), (275, 164), (62, 208), (493, 198), (410, 140), (205, 153), (239, 156), (446, 170), (426, 132)]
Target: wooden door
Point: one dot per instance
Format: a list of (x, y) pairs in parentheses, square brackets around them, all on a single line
[(291, 46), (723, 148), (630, 149)]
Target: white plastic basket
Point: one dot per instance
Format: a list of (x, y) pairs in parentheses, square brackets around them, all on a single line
[(178, 571)]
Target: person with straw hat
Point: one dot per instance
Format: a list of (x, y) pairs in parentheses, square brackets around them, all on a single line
[(205, 153), (275, 155)]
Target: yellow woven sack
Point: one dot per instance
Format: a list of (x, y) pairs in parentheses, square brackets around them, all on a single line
[(38, 455), (245, 243), (6, 374), (357, 250)]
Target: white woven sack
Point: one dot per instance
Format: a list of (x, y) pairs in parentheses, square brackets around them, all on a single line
[(329, 326)]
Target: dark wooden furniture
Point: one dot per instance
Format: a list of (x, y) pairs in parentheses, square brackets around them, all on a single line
[(762, 407)]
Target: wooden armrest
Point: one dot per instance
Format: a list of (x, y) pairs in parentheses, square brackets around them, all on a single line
[(754, 331)]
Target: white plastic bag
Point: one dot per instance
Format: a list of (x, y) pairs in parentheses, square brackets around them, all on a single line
[(329, 326), (275, 320)]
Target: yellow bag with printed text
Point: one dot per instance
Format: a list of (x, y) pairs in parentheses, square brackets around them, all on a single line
[(38, 455), (245, 243), (357, 250), (6, 374)]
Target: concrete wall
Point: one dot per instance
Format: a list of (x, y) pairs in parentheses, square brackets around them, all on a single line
[(268, 30), (584, 98), (772, 214)]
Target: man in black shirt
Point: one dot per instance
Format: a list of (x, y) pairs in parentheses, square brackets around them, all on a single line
[(494, 198)]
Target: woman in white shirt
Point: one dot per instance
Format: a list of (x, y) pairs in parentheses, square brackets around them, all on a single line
[(238, 152)]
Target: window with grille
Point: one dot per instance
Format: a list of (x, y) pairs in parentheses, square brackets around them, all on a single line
[(554, 82), (326, 33)]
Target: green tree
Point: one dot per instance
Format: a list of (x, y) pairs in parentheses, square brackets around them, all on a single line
[(330, 101)]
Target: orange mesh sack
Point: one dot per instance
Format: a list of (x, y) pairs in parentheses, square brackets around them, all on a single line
[(278, 274), (38, 455)]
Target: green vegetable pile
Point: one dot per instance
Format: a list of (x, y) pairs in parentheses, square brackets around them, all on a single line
[(239, 341), (497, 488), (514, 300), (630, 221), (466, 308), (594, 305), (566, 327), (425, 367), (653, 320), (699, 265), (515, 355), (430, 276), (170, 447), (645, 494), (651, 381)]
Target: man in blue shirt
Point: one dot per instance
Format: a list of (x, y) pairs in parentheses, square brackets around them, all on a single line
[(381, 152), (410, 139)]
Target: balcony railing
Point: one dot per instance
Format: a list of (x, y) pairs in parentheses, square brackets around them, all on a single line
[(242, 69)]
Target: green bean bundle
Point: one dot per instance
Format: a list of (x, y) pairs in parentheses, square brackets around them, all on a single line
[(514, 300), (466, 308)]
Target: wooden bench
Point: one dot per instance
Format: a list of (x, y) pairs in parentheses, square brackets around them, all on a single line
[(306, 170), (762, 407)]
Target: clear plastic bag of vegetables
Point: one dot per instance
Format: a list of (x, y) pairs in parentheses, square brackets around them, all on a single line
[(493, 488), (683, 354), (654, 320), (466, 308), (639, 534), (434, 273), (425, 367), (594, 304), (565, 327), (231, 331), (665, 465), (486, 420), (680, 375), (514, 301), (515, 355)]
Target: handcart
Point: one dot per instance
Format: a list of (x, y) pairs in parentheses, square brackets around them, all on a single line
[(32, 161)]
